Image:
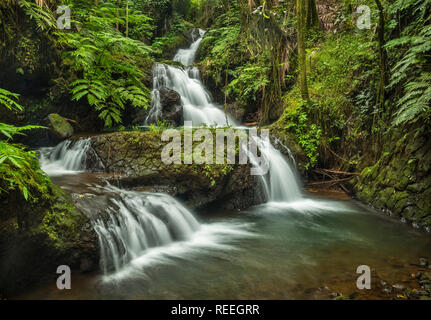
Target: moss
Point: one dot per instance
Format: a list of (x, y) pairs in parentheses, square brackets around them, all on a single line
[(59, 126)]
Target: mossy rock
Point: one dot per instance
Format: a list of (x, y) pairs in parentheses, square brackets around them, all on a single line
[(59, 126), (137, 155), (49, 233)]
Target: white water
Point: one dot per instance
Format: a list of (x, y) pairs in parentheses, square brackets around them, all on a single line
[(196, 101), (141, 229), (144, 228), (66, 158), (187, 56), (280, 184)]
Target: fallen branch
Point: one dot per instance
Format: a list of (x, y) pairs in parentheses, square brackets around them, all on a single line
[(330, 181), (337, 172), (73, 121)]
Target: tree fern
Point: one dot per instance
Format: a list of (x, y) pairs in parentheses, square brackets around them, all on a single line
[(416, 102), (107, 63), (19, 168), (43, 16), (413, 67)]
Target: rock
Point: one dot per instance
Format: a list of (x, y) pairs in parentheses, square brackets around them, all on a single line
[(171, 109), (387, 290), (423, 262), (398, 287), (334, 295), (53, 233), (59, 127), (137, 155), (236, 111)]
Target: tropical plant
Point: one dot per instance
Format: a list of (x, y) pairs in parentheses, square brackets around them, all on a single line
[(413, 68), (19, 168), (109, 65)]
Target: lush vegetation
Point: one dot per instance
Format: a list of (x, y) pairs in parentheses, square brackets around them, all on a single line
[(302, 67), (19, 168)]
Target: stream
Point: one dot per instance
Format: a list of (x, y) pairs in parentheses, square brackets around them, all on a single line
[(293, 246)]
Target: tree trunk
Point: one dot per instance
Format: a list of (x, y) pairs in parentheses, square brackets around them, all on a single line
[(117, 24), (312, 16), (127, 18), (301, 18), (382, 57)]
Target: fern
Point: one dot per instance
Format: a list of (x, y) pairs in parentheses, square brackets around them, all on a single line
[(416, 102), (8, 100), (43, 16), (414, 64), (19, 168), (108, 64)]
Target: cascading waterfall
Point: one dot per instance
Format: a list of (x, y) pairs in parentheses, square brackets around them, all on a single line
[(187, 56), (280, 184), (135, 223), (138, 222), (196, 101), (68, 157)]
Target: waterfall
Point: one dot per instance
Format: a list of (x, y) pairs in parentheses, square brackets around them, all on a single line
[(140, 221), (198, 106), (68, 157), (280, 183), (187, 56)]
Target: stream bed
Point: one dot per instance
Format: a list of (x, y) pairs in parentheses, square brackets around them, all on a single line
[(304, 249)]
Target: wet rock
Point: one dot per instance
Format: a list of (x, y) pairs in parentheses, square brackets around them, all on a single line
[(59, 126), (399, 287), (172, 110), (236, 111), (137, 156), (423, 262), (55, 233), (387, 290)]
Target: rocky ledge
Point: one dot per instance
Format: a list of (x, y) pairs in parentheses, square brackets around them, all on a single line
[(136, 156)]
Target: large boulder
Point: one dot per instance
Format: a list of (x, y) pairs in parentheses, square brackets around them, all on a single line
[(172, 110), (59, 126), (36, 237), (137, 157)]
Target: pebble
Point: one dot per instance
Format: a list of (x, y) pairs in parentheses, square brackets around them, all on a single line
[(399, 287), (423, 262), (387, 290), (334, 295), (383, 283)]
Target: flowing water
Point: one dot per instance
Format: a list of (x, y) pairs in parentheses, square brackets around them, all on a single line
[(293, 246), (198, 106)]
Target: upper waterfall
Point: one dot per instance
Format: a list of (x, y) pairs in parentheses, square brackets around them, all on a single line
[(187, 56), (198, 106)]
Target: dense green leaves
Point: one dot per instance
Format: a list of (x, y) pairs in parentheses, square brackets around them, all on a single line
[(412, 71), (110, 66), (19, 169)]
